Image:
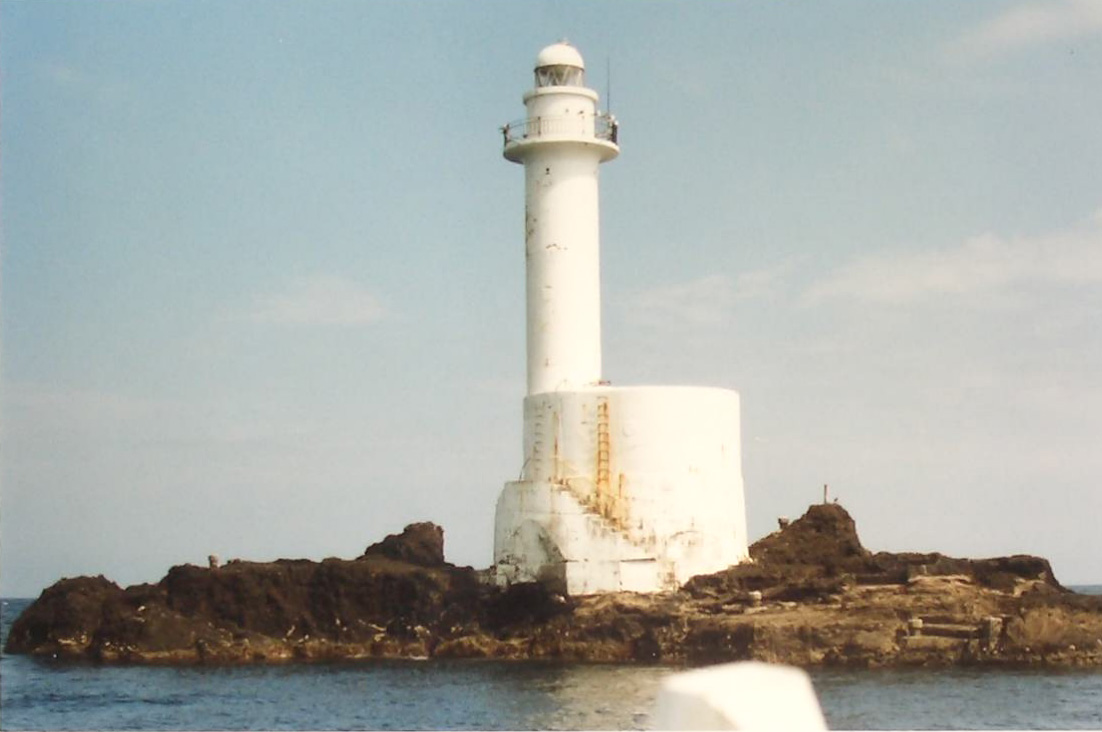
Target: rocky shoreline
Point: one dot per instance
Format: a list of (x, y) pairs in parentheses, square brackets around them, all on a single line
[(813, 596)]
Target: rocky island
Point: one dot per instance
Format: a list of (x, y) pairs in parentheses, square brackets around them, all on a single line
[(812, 596)]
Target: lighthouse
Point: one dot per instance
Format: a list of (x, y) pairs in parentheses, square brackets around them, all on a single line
[(620, 488), (561, 143)]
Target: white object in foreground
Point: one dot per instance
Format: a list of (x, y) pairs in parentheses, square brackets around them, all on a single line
[(747, 695)]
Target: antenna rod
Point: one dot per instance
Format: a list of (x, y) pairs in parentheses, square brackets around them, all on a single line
[(608, 83)]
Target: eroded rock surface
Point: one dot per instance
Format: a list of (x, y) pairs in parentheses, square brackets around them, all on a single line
[(813, 596), (421, 543)]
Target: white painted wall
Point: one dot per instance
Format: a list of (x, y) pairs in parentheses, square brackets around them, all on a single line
[(620, 475), (560, 150), (563, 269)]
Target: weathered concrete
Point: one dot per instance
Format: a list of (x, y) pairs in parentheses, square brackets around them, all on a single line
[(621, 489)]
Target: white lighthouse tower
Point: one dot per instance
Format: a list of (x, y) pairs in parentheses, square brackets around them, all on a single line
[(561, 143), (621, 488)]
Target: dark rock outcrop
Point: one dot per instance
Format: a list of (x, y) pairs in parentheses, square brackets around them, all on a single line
[(69, 613), (825, 536), (820, 553), (242, 611), (421, 543), (812, 596)]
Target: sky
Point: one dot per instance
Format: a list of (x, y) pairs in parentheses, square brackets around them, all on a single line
[(262, 287)]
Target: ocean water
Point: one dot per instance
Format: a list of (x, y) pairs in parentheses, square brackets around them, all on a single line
[(38, 694)]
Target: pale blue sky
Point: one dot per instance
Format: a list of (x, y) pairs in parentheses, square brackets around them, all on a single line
[(263, 267)]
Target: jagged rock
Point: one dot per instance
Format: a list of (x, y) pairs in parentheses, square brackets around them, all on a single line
[(421, 543), (241, 609), (527, 603), (814, 596), (65, 617), (824, 536), (808, 558)]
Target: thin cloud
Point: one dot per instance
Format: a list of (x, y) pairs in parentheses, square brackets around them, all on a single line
[(58, 413), (43, 407), (705, 301), (986, 264), (1031, 24), (318, 300)]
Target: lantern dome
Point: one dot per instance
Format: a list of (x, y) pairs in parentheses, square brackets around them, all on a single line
[(560, 64), (560, 54)]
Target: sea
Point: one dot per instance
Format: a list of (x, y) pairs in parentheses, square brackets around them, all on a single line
[(490, 695)]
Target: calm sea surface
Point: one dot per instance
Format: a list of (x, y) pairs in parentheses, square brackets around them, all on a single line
[(494, 695)]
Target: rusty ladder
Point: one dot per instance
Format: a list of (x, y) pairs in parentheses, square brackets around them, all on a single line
[(604, 456)]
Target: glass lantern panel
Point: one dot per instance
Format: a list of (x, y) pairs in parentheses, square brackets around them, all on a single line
[(559, 75)]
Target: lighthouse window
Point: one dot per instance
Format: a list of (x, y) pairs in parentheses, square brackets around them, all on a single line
[(560, 75)]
